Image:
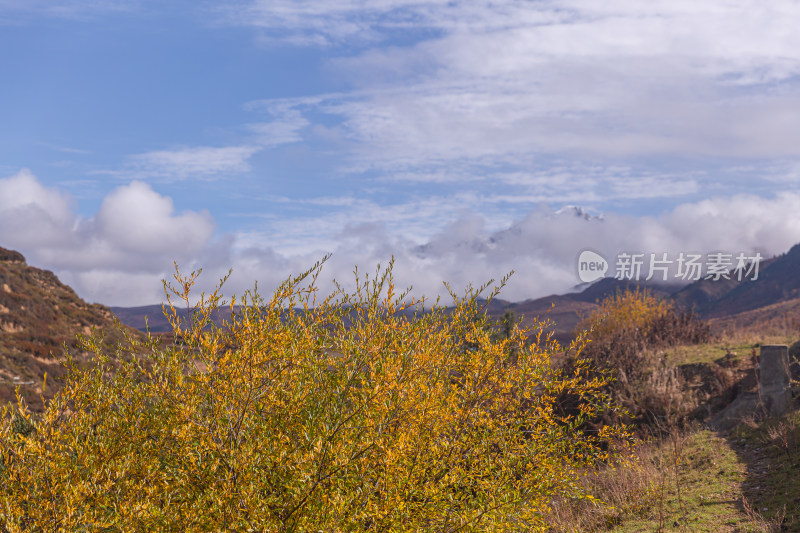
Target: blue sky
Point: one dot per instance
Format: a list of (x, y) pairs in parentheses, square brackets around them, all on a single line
[(262, 134)]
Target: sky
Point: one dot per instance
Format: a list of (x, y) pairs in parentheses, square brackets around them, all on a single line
[(465, 139)]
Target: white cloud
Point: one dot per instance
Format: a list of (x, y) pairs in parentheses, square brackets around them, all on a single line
[(202, 162), (135, 234), (496, 84), (119, 255), (139, 220), (23, 200), (543, 247)]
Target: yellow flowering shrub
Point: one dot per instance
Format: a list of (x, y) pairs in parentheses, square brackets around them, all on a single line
[(356, 411), (629, 310)]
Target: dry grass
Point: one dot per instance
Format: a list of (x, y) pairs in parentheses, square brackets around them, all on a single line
[(629, 488), (627, 337), (690, 481)]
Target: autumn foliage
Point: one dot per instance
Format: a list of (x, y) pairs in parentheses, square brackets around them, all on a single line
[(637, 313), (626, 335), (350, 412)]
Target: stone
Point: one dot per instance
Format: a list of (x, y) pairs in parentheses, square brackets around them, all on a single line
[(774, 379), (743, 407), (773, 396)]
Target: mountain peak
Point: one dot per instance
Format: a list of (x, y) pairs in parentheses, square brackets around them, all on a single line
[(578, 211)]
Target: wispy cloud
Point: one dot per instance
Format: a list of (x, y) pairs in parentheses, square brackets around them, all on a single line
[(312, 223), (325, 23), (497, 36), (203, 162), (18, 10), (284, 125), (196, 163), (283, 130), (66, 149), (482, 85)]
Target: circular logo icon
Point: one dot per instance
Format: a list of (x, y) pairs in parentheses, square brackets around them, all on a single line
[(591, 266)]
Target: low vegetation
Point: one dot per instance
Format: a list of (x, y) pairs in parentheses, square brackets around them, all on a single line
[(683, 476), (364, 411), (310, 413), (626, 338)]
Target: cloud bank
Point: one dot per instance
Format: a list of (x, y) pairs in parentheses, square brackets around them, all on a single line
[(119, 255), (496, 83)]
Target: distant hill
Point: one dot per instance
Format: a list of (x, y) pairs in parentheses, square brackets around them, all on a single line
[(566, 311), (606, 287), (710, 297), (145, 316), (778, 317), (702, 295), (39, 315), (778, 281), (773, 297)]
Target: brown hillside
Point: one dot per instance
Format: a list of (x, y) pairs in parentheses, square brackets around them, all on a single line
[(777, 282), (39, 316), (780, 317)]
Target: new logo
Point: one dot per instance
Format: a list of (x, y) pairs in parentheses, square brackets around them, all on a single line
[(591, 266)]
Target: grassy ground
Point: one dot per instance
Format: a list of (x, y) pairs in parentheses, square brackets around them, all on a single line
[(689, 482), (744, 481), (708, 353), (771, 451), (739, 348), (700, 480), (709, 493)]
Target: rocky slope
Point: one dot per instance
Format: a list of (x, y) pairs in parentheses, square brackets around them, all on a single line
[(40, 317)]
